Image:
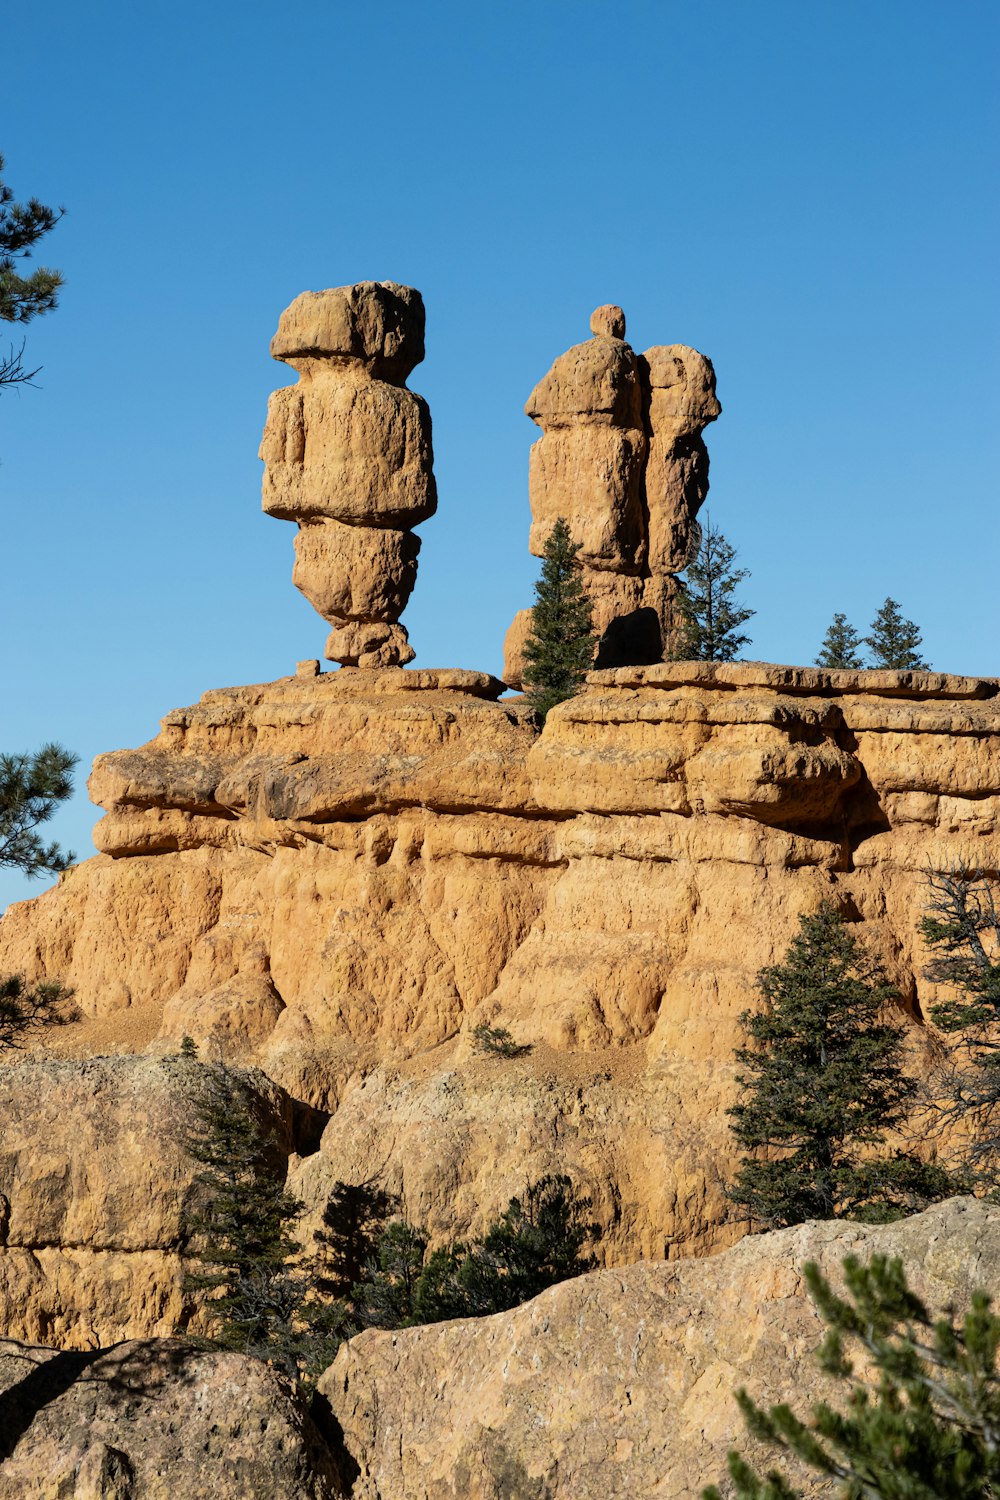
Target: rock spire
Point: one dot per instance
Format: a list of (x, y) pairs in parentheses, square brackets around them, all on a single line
[(347, 454), (621, 458)]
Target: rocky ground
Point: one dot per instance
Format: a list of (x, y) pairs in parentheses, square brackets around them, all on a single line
[(617, 1384)]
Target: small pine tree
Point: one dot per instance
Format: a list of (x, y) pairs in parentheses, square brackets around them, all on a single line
[(962, 930), (929, 1429), (260, 1298), (24, 1008), (894, 642), (822, 1086), (710, 614), (31, 788), (559, 651), (536, 1242), (390, 1294), (840, 646)]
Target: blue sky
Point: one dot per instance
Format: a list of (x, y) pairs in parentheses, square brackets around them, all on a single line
[(805, 192)]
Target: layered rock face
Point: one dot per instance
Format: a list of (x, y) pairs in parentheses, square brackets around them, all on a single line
[(622, 461), (339, 877), (95, 1184), (620, 1384), (347, 454)]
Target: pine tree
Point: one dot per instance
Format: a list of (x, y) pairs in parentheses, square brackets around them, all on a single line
[(239, 1228), (894, 642), (24, 1008), (822, 1086), (22, 298), (840, 646), (710, 614), (536, 1241), (31, 788), (929, 1429), (560, 649), (962, 929)]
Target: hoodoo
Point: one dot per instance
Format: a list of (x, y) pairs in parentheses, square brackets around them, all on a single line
[(342, 880), (621, 459), (348, 456)]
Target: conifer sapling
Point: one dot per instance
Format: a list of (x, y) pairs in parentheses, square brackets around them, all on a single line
[(559, 651), (710, 614), (840, 646), (895, 642)]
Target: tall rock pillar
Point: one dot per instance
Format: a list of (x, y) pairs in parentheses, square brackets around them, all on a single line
[(347, 454), (621, 459)]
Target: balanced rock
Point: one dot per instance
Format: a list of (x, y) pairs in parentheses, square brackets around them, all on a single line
[(347, 454), (622, 461)]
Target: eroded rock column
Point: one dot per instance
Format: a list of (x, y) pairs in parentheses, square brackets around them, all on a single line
[(347, 454), (621, 459)]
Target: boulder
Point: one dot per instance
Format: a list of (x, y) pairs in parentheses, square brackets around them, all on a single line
[(619, 1385), (158, 1420)]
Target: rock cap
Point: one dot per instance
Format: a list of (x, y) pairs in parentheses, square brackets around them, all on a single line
[(608, 321), (378, 322)]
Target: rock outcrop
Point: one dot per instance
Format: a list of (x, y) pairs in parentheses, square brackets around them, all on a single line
[(619, 1385), (623, 462), (348, 456), (614, 1386), (154, 1421), (340, 877), (95, 1185)]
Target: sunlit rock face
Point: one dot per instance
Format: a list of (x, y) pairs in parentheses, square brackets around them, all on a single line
[(622, 462), (339, 877), (347, 455)]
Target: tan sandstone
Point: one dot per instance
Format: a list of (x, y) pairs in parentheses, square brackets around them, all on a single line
[(339, 877), (94, 1185), (623, 463), (619, 1385), (347, 454)]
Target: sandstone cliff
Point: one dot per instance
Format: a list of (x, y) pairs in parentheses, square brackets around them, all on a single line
[(614, 1386), (338, 877)]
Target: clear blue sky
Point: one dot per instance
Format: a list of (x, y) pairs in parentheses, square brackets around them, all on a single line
[(806, 192)]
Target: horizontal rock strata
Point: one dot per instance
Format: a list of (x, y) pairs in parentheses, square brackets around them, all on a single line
[(339, 877), (94, 1190)]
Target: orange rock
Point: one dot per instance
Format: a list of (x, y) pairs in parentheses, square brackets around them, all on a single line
[(347, 454), (341, 876), (622, 461)]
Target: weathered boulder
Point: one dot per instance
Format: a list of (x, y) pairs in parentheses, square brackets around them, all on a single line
[(154, 1421), (347, 454), (619, 1385)]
